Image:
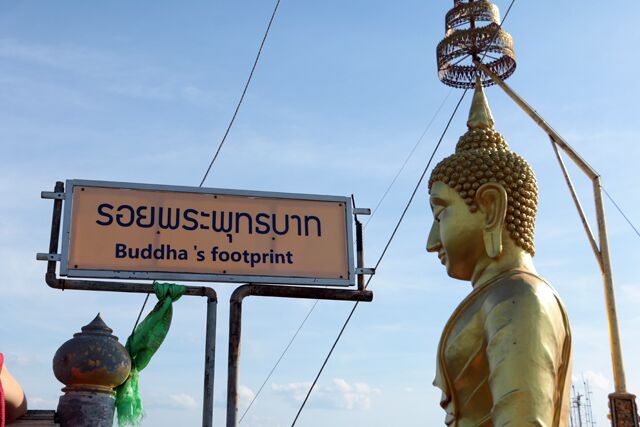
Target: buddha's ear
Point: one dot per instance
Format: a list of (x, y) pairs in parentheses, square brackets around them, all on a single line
[(491, 199)]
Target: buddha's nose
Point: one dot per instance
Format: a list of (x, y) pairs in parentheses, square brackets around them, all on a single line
[(433, 241)]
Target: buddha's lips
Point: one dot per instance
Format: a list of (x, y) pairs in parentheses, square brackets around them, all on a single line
[(443, 257)]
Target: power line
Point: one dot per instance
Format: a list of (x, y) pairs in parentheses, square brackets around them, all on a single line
[(373, 212), (394, 231), (621, 213), (233, 118), (393, 181), (278, 361), (384, 251), (437, 112), (140, 314), (244, 92)]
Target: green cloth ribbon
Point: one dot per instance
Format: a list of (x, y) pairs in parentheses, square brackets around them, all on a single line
[(142, 345)]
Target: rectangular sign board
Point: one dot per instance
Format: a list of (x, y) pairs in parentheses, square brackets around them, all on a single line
[(143, 231)]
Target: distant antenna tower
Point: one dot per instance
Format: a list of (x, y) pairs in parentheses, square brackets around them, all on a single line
[(581, 414)]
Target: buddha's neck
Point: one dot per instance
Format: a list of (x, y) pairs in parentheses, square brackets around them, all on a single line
[(488, 268)]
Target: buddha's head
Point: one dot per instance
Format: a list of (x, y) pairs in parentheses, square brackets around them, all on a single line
[(484, 198)]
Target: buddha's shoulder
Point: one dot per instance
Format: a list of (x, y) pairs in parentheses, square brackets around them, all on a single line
[(521, 287)]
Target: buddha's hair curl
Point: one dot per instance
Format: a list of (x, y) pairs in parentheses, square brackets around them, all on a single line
[(482, 155)]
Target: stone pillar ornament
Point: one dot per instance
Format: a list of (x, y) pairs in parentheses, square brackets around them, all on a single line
[(91, 365)]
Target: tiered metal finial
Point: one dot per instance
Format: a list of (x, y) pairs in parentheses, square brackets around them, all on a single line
[(465, 41)]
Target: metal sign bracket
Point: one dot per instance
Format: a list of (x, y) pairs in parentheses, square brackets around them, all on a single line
[(145, 288)]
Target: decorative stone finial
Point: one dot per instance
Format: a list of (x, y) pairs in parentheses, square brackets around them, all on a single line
[(96, 327), (91, 365)]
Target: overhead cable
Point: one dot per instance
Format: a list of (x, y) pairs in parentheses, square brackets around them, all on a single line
[(386, 192), (244, 92), (384, 251), (413, 150), (392, 234), (233, 118), (621, 213), (295, 335)]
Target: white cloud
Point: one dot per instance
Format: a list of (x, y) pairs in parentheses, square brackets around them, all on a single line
[(245, 394), (41, 403), (119, 74), (24, 360), (183, 401), (296, 391), (595, 379), (338, 395), (631, 293)]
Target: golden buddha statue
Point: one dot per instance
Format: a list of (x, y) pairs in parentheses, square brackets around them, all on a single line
[(505, 354)]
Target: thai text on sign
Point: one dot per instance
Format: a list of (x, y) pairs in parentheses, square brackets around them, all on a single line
[(136, 230)]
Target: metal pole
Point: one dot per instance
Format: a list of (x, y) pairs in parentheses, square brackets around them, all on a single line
[(614, 332), (576, 201), (360, 254), (582, 164), (622, 404), (209, 363), (56, 218), (235, 325), (235, 331)]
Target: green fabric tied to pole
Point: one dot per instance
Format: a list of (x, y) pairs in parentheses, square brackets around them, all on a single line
[(142, 345)]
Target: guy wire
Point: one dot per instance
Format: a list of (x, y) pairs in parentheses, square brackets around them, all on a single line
[(255, 397), (140, 314), (279, 360), (393, 233), (413, 150), (244, 91), (233, 118), (384, 251), (620, 210)]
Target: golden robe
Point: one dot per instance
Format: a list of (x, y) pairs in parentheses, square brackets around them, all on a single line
[(505, 356)]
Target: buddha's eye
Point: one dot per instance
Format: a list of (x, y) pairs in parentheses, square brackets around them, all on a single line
[(437, 213)]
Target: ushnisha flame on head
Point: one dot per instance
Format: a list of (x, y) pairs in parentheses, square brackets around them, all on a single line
[(482, 155)]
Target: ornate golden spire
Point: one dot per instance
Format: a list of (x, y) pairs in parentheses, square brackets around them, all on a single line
[(473, 31), (480, 133), (480, 113)]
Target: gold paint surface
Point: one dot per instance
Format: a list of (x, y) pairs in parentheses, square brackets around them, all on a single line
[(504, 357), (306, 250)]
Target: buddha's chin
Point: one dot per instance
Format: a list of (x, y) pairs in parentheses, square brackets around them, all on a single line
[(456, 273)]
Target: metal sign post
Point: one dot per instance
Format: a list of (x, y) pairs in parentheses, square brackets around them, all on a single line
[(235, 326), (121, 231), (53, 281)]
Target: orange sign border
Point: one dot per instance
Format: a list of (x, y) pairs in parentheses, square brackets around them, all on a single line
[(66, 270)]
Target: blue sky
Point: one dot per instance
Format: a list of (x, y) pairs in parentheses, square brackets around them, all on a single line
[(142, 92)]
